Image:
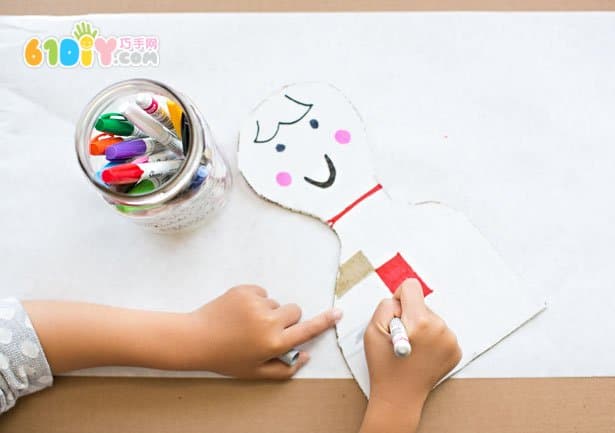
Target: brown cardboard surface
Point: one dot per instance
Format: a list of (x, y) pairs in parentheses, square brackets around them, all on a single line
[(142, 405), (152, 405)]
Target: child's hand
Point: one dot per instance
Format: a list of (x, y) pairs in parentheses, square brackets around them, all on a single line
[(239, 333), (242, 332), (399, 386)]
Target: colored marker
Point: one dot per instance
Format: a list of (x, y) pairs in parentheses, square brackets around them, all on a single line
[(144, 187), (290, 357), (175, 113), (132, 148), (133, 173), (116, 123), (199, 177), (185, 128), (152, 127), (399, 338), (104, 167), (152, 107), (147, 185), (99, 143), (140, 160), (165, 155)]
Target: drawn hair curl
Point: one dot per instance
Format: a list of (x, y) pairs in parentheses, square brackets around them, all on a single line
[(267, 129)]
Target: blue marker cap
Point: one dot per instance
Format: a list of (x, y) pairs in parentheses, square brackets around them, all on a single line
[(199, 177)]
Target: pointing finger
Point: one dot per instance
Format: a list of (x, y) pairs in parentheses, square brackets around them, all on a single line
[(305, 331)]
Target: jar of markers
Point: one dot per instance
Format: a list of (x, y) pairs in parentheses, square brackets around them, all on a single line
[(149, 152)]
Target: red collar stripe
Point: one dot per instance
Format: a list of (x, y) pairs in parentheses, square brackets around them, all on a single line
[(347, 209)]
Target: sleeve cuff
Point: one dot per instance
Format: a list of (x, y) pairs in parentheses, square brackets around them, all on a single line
[(23, 366)]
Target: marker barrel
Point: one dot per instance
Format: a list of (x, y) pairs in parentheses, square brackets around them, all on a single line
[(154, 108), (152, 127), (290, 357), (399, 338), (163, 155), (132, 173)]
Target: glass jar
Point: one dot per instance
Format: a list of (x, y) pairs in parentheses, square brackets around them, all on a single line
[(185, 198)]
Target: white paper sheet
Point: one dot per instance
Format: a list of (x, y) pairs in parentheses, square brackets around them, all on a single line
[(513, 113)]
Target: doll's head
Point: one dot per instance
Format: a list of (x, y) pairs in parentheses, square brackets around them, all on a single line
[(305, 148)]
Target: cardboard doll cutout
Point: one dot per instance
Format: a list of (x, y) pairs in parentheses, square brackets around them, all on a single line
[(305, 148)]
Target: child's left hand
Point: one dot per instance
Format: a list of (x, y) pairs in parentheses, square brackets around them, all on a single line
[(242, 332)]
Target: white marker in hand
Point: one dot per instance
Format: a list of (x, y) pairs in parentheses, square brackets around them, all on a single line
[(399, 338)]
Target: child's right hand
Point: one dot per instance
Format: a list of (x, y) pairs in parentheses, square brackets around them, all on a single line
[(399, 386)]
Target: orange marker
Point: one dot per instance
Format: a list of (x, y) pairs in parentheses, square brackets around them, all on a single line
[(99, 144)]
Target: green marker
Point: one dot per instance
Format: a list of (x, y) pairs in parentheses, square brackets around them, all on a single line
[(144, 187), (116, 123)]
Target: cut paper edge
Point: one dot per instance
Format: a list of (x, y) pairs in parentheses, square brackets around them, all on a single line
[(459, 368)]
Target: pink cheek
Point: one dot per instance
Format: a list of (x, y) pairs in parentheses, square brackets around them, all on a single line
[(342, 136), (283, 178)]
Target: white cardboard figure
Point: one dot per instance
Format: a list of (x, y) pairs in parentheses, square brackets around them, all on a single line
[(305, 148)]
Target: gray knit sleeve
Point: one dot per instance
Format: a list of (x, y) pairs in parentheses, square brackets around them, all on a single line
[(23, 366)]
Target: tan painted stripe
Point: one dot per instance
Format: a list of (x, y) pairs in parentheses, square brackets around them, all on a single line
[(351, 272)]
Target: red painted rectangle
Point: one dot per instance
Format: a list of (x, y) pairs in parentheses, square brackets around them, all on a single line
[(395, 271)]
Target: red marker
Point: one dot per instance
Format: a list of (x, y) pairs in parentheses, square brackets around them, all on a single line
[(132, 173)]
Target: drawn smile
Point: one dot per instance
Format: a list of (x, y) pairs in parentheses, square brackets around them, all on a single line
[(327, 183)]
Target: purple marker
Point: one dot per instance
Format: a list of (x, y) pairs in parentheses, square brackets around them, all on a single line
[(131, 148)]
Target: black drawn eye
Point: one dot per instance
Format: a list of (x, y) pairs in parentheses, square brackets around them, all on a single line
[(280, 147), (314, 123)]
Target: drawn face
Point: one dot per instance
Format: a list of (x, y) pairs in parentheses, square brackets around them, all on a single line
[(305, 149)]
